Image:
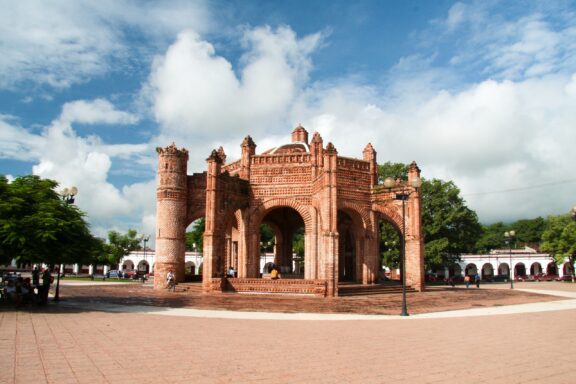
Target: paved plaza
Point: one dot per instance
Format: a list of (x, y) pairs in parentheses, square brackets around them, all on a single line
[(132, 334)]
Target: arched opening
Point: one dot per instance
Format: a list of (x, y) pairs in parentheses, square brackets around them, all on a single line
[(195, 236), (285, 249), (346, 247), (504, 269), (143, 267), (267, 248), (520, 271), (190, 269), (536, 269), (471, 269), (552, 269), (128, 266), (390, 248), (487, 272), (567, 269)]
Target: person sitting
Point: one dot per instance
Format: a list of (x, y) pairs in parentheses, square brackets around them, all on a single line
[(274, 274)]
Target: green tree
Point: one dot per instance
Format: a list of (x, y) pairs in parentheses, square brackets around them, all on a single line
[(36, 225), (559, 239), (492, 237), (267, 237), (298, 242), (393, 170), (449, 226), (529, 231), (120, 245), (194, 238), (389, 245)]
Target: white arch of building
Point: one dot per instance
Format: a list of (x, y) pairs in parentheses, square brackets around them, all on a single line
[(524, 262)]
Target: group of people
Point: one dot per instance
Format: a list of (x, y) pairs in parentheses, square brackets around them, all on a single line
[(468, 280), (20, 291)]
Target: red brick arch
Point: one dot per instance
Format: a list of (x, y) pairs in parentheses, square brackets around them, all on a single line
[(263, 208), (358, 211), (390, 214), (195, 215)]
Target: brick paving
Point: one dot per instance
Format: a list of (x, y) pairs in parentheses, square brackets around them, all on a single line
[(62, 344), (437, 298)]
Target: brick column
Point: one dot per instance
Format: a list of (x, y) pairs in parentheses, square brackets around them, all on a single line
[(171, 198), (329, 212), (414, 238), (311, 252), (213, 244)]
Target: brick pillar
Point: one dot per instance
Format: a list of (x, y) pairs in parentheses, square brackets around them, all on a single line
[(316, 155), (248, 150), (213, 244), (414, 238), (329, 212), (370, 156), (311, 252), (171, 198), (372, 250)]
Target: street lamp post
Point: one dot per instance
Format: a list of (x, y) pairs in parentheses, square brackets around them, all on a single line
[(573, 215), (67, 195), (405, 191), (145, 240), (509, 236)]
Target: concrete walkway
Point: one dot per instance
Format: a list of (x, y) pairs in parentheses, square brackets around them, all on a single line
[(78, 341)]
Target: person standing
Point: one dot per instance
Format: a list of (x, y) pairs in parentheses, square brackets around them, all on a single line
[(477, 280), (467, 281), (170, 283), (46, 281), (35, 277)]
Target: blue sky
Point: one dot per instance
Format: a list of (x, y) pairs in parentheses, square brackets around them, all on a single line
[(479, 92)]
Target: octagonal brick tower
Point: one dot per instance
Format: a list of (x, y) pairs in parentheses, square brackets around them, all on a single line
[(171, 198)]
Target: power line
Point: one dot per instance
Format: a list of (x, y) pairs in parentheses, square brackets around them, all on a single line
[(521, 188)]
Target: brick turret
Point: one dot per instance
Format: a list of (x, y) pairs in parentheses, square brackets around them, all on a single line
[(171, 198), (248, 150), (299, 134)]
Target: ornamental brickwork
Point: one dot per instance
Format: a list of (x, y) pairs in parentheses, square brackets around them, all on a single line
[(336, 200)]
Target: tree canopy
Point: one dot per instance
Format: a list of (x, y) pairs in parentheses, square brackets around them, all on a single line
[(195, 238), (36, 225), (120, 245), (449, 226), (559, 238), (492, 237)]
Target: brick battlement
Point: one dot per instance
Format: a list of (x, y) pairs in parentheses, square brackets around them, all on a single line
[(348, 163), (232, 167), (297, 158)]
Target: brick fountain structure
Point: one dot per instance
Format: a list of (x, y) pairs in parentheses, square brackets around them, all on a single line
[(337, 200)]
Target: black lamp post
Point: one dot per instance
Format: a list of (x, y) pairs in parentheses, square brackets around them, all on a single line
[(145, 240), (509, 236), (406, 189), (573, 214), (68, 197)]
